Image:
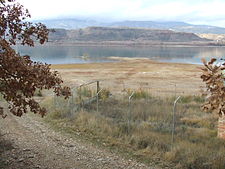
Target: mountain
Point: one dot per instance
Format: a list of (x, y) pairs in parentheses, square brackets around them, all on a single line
[(70, 23), (150, 24), (175, 26), (98, 34)]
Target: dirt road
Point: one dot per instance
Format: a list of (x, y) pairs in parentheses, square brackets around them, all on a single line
[(28, 143)]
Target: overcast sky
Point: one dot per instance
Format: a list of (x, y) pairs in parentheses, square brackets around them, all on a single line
[(210, 12)]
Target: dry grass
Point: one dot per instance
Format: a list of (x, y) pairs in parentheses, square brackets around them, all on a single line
[(146, 134)]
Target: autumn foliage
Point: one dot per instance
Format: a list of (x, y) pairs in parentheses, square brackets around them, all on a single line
[(20, 77), (214, 79)]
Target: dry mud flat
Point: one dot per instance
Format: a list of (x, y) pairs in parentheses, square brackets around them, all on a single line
[(133, 73)]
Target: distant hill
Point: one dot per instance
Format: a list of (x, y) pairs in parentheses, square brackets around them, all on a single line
[(69, 23), (175, 26), (121, 34)]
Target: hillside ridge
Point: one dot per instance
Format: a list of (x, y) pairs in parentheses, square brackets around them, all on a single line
[(122, 34)]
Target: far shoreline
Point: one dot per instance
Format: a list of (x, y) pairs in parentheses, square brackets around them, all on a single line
[(136, 44), (117, 59)]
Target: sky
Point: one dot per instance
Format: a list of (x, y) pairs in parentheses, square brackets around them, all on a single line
[(208, 12)]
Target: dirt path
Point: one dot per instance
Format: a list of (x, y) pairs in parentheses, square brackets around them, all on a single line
[(28, 143)]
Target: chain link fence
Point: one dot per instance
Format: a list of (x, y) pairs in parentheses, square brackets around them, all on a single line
[(133, 108)]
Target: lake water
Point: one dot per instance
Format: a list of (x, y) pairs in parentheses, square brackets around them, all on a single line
[(88, 54)]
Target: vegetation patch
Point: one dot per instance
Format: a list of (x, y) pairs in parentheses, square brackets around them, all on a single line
[(142, 129)]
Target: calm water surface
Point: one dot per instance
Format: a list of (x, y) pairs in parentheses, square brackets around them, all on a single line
[(88, 54)]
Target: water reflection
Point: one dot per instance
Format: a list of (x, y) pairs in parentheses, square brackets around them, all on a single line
[(87, 54)]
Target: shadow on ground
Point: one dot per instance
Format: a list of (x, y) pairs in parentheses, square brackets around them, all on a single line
[(6, 148)]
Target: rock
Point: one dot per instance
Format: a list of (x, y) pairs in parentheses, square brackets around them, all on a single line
[(26, 149), (31, 156), (21, 160)]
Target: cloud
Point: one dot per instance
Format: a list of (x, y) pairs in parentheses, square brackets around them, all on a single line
[(201, 11)]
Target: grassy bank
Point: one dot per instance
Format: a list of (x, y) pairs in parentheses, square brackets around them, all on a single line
[(141, 128)]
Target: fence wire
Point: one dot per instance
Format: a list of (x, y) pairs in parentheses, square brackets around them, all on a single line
[(132, 109)]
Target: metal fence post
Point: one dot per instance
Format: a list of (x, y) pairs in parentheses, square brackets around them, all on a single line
[(174, 111), (129, 115), (98, 86), (97, 98), (71, 103), (175, 89)]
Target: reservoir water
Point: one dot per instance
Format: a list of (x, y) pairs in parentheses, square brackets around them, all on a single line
[(89, 54)]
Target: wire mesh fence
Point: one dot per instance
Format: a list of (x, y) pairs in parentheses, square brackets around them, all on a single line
[(132, 109)]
